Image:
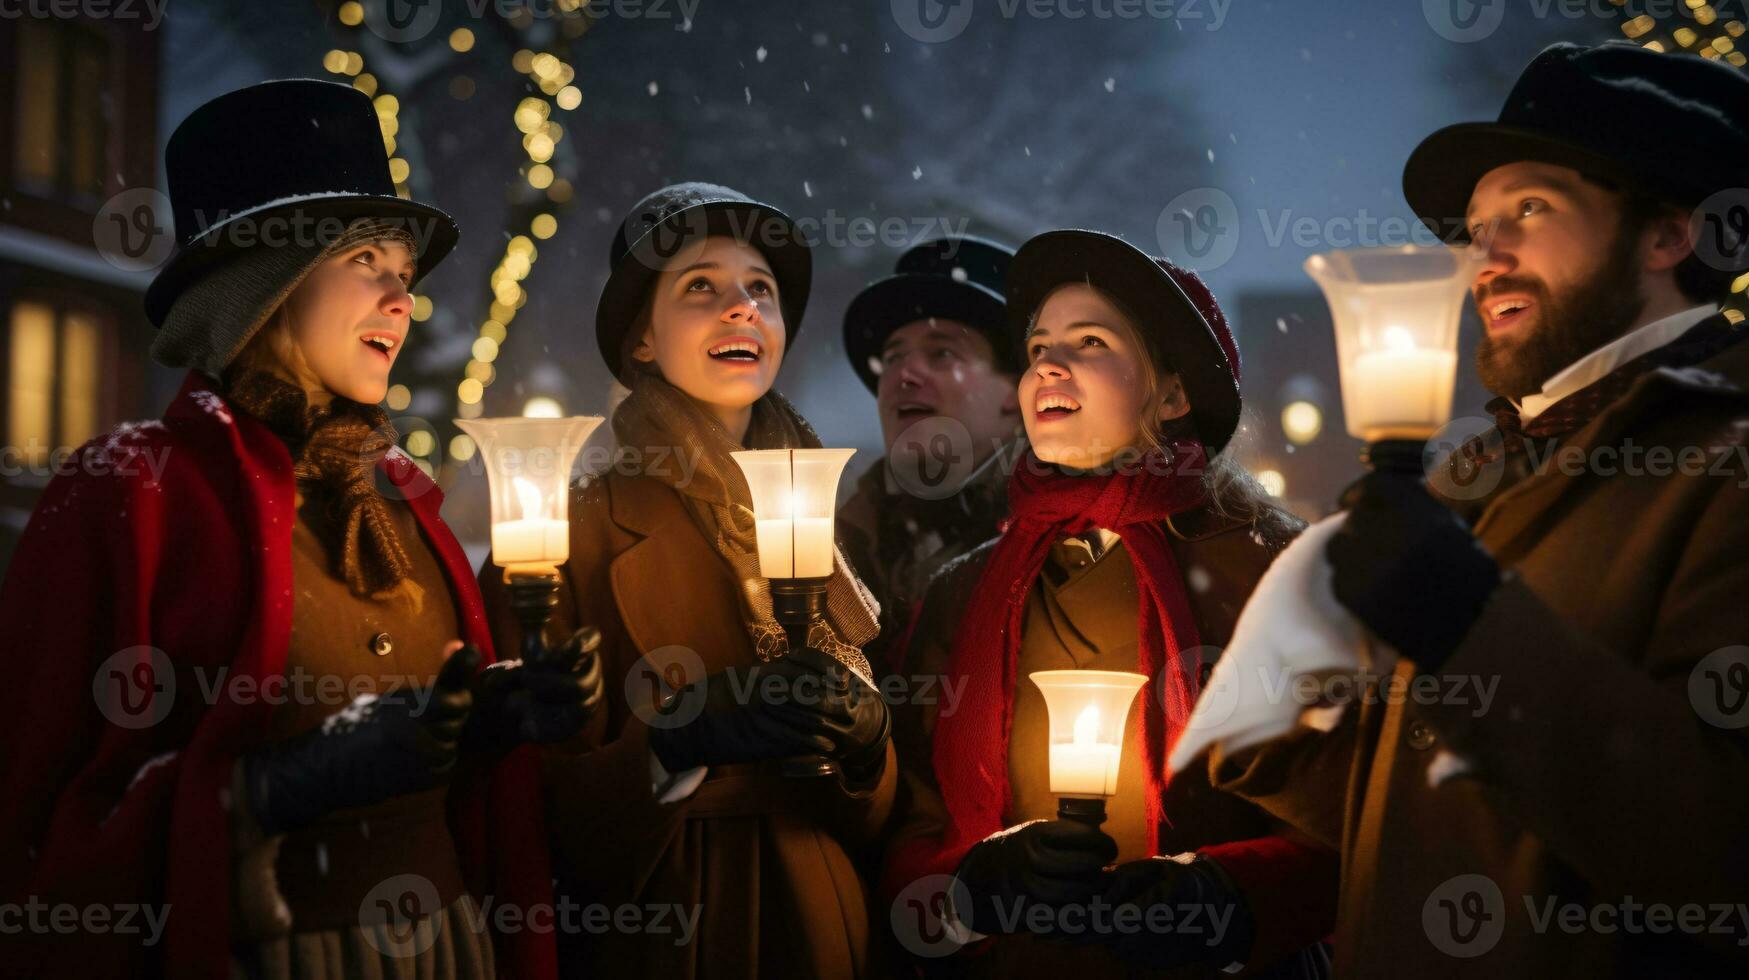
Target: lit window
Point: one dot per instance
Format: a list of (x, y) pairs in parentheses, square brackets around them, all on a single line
[(54, 367), (61, 140)]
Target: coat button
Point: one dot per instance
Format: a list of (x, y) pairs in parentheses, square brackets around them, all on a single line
[(1421, 736), (381, 644)]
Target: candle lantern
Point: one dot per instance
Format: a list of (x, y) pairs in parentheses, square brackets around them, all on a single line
[(1396, 313), (1088, 710), (528, 474), (795, 494)]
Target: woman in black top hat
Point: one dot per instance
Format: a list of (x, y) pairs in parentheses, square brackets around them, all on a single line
[(684, 813), (1133, 544), (293, 746)]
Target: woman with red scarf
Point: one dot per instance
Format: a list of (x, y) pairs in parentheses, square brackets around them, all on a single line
[(1133, 545)]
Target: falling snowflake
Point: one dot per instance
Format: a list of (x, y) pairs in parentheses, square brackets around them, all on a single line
[(760, 54), (806, 189), (1198, 578), (1281, 324), (1111, 85), (653, 88), (916, 173), (867, 111)]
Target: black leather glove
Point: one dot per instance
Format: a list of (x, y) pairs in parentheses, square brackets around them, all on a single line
[(1171, 915), (376, 748), (853, 715), (1408, 567), (547, 701), (758, 713), (1052, 863)]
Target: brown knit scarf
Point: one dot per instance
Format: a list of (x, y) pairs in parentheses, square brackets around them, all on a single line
[(335, 451), (661, 424)]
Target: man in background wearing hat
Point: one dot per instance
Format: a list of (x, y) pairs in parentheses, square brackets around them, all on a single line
[(928, 342), (1573, 798)]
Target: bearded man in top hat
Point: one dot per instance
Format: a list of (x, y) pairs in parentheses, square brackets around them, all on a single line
[(928, 343), (1559, 784)]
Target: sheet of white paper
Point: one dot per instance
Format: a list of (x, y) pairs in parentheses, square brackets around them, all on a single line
[(1292, 629)]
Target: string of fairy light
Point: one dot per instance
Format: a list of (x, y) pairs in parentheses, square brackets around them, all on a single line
[(350, 64), (1705, 36), (541, 133)]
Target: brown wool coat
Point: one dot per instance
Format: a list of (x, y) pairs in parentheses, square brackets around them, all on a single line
[(1081, 614), (760, 859), (1594, 777)]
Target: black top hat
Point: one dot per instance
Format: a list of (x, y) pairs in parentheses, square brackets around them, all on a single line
[(277, 162), (1675, 126), (948, 278), (1177, 315), (662, 223)]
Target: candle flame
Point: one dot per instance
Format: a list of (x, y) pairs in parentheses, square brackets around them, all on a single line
[(528, 495), (1087, 726)]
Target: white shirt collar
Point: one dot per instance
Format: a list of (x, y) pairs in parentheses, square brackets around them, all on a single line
[(1612, 355)]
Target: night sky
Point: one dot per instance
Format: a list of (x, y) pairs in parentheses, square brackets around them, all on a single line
[(1281, 117)]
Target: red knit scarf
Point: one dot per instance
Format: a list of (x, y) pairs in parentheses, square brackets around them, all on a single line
[(1048, 505)]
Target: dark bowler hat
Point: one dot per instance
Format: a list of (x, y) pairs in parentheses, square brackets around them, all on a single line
[(1675, 126), (1174, 310), (278, 163), (948, 278), (663, 223)]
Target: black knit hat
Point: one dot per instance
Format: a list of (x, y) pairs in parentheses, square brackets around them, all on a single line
[(949, 278), (660, 225), (1675, 126)]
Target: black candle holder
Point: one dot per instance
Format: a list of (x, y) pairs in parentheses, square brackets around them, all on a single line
[(533, 597), (1082, 809), (797, 604), (1402, 456)]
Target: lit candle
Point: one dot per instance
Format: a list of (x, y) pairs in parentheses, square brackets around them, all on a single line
[(532, 540), (794, 492), (798, 547), (1085, 766), (1398, 389)]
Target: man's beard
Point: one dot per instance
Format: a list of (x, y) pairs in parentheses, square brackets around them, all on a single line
[(1594, 312)]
